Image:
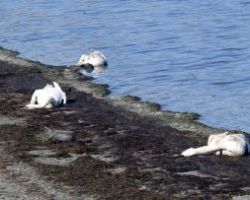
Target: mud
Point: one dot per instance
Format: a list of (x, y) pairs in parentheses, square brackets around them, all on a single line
[(122, 148)]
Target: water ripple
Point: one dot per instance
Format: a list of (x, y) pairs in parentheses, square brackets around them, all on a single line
[(186, 55)]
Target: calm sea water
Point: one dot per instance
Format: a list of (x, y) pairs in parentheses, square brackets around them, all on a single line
[(186, 55)]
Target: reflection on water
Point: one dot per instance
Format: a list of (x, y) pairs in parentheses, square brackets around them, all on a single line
[(187, 55)]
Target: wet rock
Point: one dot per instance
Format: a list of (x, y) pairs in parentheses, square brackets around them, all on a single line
[(152, 107), (58, 135), (105, 157), (246, 189), (134, 103), (42, 153), (100, 90), (188, 116), (69, 112), (5, 120), (186, 193), (64, 137), (198, 174), (244, 197), (131, 99), (58, 161)]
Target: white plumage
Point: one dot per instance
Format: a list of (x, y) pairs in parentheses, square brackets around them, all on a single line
[(48, 97), (222, 144)]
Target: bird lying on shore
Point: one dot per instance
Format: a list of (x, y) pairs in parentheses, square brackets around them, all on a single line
[(96, 59), (48, 97), (222, 144)]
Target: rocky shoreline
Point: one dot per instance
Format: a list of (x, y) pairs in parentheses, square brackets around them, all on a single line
[(101, 148)]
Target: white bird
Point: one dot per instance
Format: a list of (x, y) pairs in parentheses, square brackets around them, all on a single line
[(96, 59), (48, 97), (222, 144)]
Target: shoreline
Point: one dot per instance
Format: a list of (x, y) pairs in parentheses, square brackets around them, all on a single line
[(125, 148), (186, 121)]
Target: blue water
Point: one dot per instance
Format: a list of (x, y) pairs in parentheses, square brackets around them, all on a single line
[(186, 55)]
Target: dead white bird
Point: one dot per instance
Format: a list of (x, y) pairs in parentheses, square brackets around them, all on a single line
[(96, 59), (48, 97), (222, 144)]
